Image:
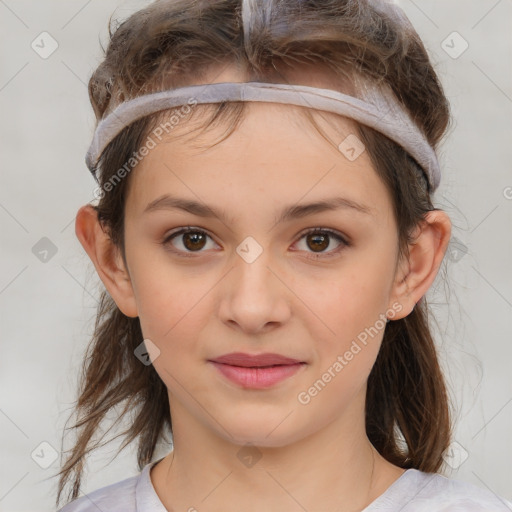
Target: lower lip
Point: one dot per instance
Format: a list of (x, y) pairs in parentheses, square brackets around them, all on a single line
[(257, 378)]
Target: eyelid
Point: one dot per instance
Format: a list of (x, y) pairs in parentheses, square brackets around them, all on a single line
[(343, 239), (333, 233), (168, 237)]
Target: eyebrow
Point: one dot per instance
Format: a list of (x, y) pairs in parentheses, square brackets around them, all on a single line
[(168, 202)]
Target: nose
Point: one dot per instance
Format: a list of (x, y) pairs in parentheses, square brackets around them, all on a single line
[(254, 296)]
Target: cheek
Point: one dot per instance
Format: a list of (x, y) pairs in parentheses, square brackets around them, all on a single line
[(172, 300), (353, 308), (350, 299), (171, 312), (347, 330)]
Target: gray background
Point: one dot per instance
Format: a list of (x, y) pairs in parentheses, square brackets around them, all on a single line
[(48, 301)]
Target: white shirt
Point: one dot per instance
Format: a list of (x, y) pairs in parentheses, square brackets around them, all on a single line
[(413, 491)]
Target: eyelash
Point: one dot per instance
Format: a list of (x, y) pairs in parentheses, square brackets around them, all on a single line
[(334, 234)]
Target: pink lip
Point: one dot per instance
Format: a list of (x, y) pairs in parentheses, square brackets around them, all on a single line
[(256, 371), (248, 360)]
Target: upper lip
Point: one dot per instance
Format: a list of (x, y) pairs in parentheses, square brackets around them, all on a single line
[(248, 360)]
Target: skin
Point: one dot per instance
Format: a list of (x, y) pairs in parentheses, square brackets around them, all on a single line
[(313, 456)]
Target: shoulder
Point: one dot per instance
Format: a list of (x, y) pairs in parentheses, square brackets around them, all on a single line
[(117, 497), (422, 492)]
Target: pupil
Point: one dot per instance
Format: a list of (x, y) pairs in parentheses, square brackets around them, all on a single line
[(196, 239), (319, 238)]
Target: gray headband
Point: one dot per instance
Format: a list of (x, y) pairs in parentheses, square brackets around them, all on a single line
[(377, 108)]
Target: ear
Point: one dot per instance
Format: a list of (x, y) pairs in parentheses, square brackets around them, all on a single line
[(107, 259), (417, 272)]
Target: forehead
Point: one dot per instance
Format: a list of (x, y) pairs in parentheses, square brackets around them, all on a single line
[(274, 154)]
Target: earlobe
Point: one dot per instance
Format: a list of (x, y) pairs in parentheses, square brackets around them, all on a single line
[(418, 271), (106, 258)]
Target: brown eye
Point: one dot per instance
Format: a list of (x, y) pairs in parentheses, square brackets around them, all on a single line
[(187, 240), (317, 240), (193, 240)]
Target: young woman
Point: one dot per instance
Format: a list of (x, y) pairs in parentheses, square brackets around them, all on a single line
[(266, 261)]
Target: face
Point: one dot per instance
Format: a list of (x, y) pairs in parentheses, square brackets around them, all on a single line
[(313, 285)]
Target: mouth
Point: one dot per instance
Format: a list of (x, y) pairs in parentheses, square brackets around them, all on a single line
[(255, 360), (256, 371)]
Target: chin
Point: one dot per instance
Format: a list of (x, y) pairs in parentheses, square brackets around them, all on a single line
[(264, 432)]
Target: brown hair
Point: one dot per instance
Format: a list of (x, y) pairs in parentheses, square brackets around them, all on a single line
[(173, 43)]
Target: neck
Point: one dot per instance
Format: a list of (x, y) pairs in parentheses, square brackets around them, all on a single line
[(335, 469)]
